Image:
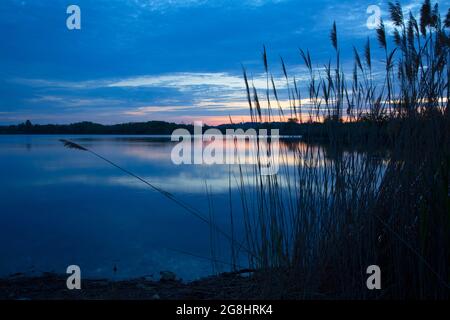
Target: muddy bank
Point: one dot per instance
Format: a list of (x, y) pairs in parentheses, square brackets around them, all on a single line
[(51, 286)]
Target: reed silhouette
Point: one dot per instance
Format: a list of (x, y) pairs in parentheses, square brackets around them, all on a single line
[(316, 229), (312, 230)]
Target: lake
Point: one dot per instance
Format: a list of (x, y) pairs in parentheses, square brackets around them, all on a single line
[(62, 206)]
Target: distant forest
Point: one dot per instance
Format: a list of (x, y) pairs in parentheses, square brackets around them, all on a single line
[(135, 128), (342, 131)]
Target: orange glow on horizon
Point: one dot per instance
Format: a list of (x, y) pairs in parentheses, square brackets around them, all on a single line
[(218, 120)]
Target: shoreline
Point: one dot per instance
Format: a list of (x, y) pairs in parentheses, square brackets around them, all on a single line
[(52, 286)]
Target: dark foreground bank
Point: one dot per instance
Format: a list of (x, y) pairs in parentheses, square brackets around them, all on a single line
[(242, 285), (52, 286)]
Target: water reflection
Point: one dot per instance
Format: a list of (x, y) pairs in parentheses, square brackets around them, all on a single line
[(61, 207)]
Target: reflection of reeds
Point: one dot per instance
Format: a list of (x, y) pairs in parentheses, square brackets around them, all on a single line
[(319, 228)]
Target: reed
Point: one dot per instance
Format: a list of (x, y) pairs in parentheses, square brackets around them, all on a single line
[(333, 210), (316, 226)]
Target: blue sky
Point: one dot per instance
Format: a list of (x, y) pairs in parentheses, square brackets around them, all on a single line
[(175, 60)]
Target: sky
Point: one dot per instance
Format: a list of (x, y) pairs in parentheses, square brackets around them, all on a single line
[(171, 60)]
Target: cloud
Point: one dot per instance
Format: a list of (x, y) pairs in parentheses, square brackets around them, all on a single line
[(351, 17), (194, 88), (198, 95), (165, 5), (182, 81), (75, 101), (142, 111), (54, 84)]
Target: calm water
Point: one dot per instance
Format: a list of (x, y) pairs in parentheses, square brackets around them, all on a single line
[(60, 207)]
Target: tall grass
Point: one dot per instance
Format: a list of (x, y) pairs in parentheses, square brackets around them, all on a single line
[(312, 230), (316, 226)]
